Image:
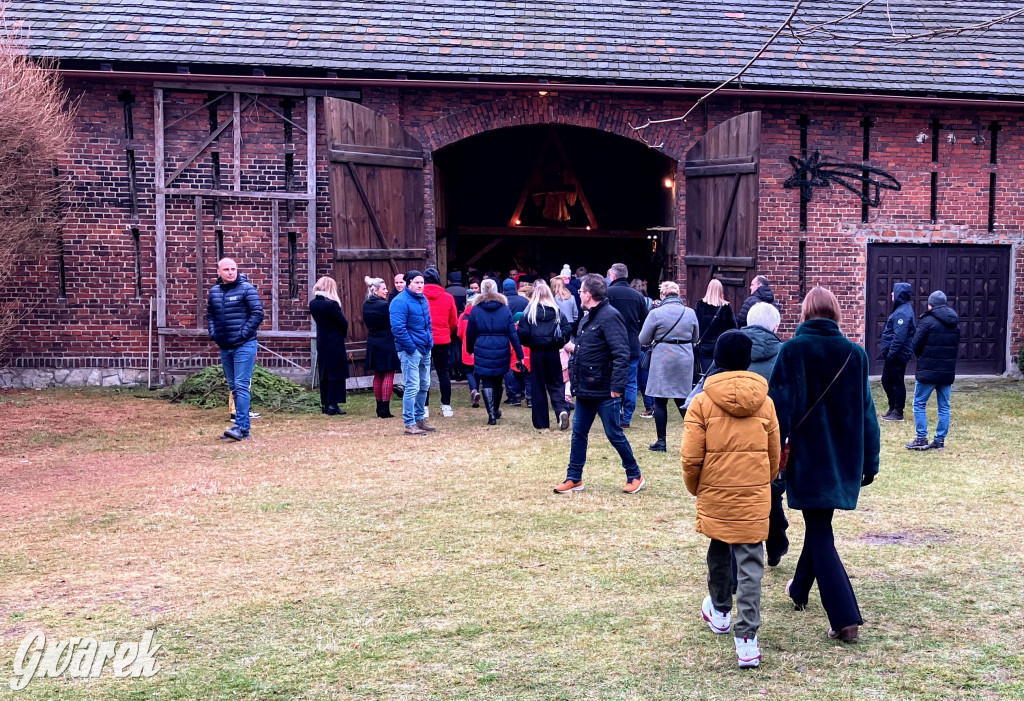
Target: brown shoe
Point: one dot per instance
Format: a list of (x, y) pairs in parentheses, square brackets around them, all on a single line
[(847, 634), (414, 430), (422, 423), (569, 486), (634, 485)]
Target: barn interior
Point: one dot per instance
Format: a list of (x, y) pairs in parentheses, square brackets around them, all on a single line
[(538, 197)]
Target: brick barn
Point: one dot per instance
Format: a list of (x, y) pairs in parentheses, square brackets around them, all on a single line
[(306, 139)]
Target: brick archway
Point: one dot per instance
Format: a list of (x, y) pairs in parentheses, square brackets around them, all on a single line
[(525, 111)]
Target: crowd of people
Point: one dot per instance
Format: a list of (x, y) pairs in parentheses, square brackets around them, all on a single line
[(761, 418)]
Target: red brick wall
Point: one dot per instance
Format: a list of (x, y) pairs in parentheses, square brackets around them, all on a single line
[(102, 316)]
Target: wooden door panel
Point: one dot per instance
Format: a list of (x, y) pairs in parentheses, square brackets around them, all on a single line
[(722, 191)]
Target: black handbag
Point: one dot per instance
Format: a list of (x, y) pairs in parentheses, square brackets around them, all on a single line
[(645, 359)]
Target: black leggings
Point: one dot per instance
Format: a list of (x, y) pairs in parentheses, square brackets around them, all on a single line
[(439, 358), (661, 414)]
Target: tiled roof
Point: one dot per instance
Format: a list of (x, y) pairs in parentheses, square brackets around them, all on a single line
[(657, 41)]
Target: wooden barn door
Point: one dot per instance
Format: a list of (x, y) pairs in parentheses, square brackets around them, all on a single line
[(721, 208), (376, 187)]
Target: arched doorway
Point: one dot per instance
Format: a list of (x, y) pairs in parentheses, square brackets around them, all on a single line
[(541, 196)]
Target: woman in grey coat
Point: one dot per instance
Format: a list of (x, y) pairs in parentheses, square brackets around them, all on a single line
[(671, 328)]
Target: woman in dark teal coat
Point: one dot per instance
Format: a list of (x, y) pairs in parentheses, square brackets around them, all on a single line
[(833, 451)]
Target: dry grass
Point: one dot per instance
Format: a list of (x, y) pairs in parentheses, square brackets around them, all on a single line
[(334, 558)]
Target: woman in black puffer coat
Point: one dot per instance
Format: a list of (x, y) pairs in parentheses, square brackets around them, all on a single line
[(544, 331), (381, 356), (488, 334)]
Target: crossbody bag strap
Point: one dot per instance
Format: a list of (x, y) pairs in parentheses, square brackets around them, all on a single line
[(671, 329), (710, 326), (818, 401)]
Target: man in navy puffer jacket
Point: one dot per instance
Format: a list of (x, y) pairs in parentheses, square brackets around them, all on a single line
[(233, 314), (897, 350)]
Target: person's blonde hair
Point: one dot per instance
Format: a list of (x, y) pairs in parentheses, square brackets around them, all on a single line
[(715, 296), (328, 288), (372, 283), (820, 303), (559, 290), (541, 297), (668, 288)]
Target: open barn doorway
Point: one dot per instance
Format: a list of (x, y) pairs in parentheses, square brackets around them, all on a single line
[(535, 198)]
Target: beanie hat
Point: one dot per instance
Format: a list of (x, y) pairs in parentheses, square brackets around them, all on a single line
[(937, 298), (509, 286), (455, 277), (732, 352), (412, 275), (431, 276), (565, 271)]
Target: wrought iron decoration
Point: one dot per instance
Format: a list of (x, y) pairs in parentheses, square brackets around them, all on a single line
[(813, 171)]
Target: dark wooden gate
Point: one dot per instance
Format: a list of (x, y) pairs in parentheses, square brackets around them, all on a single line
[(976, 280), (376, 186), (721, 208)]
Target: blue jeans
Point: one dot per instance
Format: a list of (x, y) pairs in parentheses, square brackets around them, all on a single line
[(921, 393), (416, 373), (629, 396), (582, 419), (238, 364)]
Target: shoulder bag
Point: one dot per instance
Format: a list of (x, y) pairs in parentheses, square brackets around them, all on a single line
[(784, 455), (645, 361)]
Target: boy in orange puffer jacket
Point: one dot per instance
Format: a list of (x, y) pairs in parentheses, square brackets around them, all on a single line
[(730, 457)]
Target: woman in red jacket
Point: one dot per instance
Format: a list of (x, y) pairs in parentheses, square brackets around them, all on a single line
[(443, 321)]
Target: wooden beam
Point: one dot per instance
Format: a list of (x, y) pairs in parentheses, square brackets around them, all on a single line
[(161, 216), (311, 215), (230, 87), (198, 152), (721, 261), (554, 232), (713, 170), (700, 163), (275, 263), (245, 194), (374, 222), (200, 264), (572, 174), (379, 253), (197, 333), (384, 150), (236, 134), (270, 109), (484, 251), (375, 159), (188, 114)]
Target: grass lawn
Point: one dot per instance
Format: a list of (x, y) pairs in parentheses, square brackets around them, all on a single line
[(331, 557)]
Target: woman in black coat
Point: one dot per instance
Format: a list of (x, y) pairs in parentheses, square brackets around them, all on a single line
[(544, 330), (490, 336), (381, 356), (331, 355), (714, 317)]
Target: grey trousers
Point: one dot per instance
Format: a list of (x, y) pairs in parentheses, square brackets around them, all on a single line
[(749, 570)]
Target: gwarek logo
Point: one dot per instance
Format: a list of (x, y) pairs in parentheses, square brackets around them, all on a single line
[(82, 657)]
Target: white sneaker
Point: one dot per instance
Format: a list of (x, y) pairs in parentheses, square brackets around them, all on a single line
[(748, 652), (718, 622), (426, 412), (446, 411)]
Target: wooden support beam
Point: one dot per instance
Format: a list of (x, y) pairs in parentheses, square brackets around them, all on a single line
[(311, 214), (229, 87), (236, 134), (200, 265), (713, 170), (554, 232), (375, 159), (275, 263), (197, 333), (245, 194), (270, 109), (379, 254), (721, 261), (161, 214), (198, 152), (188, 114), (491, 245)]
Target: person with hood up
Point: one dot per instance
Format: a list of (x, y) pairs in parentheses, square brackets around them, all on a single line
[(543, 330), (233, 314), (823, 401), (410, 325), (897, 350), (936, 345), (488, 334), (516, 302), (444, 319), (730, 453), (331, 355), (760, 291)]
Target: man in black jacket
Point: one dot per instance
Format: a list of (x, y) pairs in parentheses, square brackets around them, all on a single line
[(936, 345), (760, 291), (633, 308), (233, 314), (897, 350), (597, 375)]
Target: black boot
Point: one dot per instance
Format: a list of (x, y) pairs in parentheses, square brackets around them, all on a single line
[(384, 410), (488, 395), (335, 410), (658, 446)]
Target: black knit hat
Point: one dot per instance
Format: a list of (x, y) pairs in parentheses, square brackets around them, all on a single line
[(431, 276), (412, 275), (732, 352)]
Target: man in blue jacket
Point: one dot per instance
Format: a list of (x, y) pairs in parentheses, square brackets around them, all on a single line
[(233, 314), (936, 345), (897, 349), (410, 325)]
